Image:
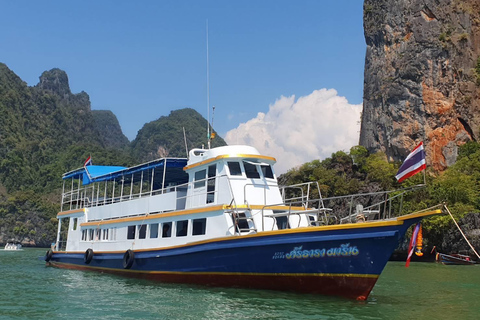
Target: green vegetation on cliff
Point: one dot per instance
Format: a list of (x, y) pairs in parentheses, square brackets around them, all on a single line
[(46, 130), (164, 137)]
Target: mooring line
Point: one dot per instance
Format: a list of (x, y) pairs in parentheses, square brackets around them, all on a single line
[(463, 234)]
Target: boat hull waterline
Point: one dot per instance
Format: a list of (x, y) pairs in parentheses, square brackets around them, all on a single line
[(342, 260)]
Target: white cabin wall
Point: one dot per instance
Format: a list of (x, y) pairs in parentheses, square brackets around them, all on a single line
[(157, 203), (74, 236), (216, 226), (263, 221)]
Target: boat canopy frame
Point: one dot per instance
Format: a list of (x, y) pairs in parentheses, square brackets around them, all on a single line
[(159, 174)]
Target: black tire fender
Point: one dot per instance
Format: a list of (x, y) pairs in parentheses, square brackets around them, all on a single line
[(88, 256), (48, 255), (128, 259)]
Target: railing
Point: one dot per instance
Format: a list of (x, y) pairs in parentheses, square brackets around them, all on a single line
[(93, 196), (305, 193), (341, 209)]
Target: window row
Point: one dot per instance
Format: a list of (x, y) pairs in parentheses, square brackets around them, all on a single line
[(252, 169), (99, 234), (153, 230), (165, 229)]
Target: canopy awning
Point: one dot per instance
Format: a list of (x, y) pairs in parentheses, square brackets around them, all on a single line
[(91, 173)]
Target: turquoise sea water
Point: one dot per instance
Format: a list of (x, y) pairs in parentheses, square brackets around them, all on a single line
[(30, 290)]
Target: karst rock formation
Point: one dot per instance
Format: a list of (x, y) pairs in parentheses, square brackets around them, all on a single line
[(422, 77)]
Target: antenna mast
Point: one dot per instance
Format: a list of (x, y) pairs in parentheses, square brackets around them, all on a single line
[(208, 95), (185, 139)]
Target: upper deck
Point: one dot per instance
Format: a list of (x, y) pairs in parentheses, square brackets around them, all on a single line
[(226, 175)]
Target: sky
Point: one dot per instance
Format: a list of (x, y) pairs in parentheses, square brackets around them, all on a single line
[(284, 76)]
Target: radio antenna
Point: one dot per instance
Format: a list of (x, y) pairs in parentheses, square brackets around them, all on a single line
[(208, 95), (185, 139)]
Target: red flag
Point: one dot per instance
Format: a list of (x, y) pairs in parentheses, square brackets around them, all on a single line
[(413, 240), (88, 162)]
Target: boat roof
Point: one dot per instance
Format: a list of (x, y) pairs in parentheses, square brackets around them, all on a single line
[(94, 173), (198, 157)]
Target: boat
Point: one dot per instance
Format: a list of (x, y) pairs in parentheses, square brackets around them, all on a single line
[(219, 218), (13, 246), (454, 258)]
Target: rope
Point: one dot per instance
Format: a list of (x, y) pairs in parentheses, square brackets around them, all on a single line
[(445, 206)]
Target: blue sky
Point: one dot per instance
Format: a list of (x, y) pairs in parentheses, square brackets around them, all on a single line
[(143, 59)]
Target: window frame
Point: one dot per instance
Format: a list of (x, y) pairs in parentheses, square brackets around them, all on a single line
[(142, 231), (195, 226), (266, 168), (167, 234), (236, 173), (131, 232), (249, 173), (150, 230), (181, 228), (200, 179)]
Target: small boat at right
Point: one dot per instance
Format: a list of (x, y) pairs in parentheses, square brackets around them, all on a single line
[(454, 258)]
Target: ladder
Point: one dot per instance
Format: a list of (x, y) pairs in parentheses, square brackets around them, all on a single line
[(243, 221)]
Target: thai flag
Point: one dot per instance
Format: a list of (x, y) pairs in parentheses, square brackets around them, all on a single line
[(413, 164), (88, 162), (413, 241)]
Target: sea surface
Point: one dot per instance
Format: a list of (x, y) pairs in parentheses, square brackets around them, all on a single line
[(30, 290)]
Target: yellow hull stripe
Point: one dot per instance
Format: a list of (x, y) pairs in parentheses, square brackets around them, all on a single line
[(349, 275), (419, 214), (247, 156)]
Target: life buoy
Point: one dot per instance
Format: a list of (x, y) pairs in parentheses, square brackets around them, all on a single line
[(88, 256), (48, 255), (128, 259)]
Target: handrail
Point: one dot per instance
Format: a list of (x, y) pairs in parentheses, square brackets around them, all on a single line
[(82, 195), (303, 197), (318, 208)]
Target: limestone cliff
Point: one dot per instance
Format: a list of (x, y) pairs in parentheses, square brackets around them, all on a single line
[(422, 77)]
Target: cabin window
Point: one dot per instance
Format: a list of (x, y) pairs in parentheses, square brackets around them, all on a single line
[(199, 226), (267, 171), (154, 231), (182, 227), (113, 233), (84, 235), (98, 234), (166, 230), (200, 178), (251, 170), (234, 168), (142, 231), (90, 234), (75, 222), (105, 234), (282, 222), (131, 232), (212, 171)]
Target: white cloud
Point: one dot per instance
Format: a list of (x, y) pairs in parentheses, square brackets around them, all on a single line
[(295, 132)]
